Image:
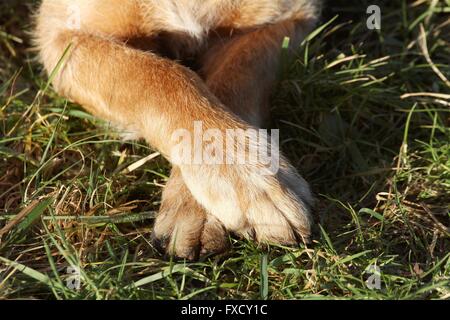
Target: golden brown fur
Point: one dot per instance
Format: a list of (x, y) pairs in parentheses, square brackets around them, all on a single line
[(124, 64)]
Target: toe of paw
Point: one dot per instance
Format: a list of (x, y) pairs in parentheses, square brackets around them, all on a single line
[(159, 242)]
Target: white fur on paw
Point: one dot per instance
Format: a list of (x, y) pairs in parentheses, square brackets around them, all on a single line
[(268, 208)]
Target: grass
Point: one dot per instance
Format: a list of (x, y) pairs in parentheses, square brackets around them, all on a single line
[(363, 114)]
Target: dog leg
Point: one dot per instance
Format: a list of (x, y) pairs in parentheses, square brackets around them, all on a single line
[(232, 70), (155, 97)]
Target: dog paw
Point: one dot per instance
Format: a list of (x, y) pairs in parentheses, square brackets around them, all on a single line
[(183, 229), (214, 238), (268, 208)]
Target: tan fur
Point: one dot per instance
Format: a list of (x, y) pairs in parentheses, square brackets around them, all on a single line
[(119, 65)]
